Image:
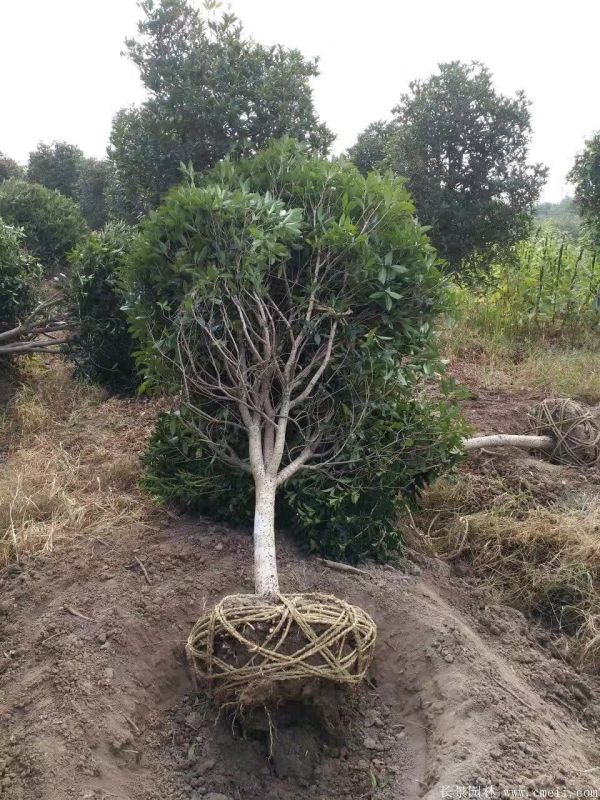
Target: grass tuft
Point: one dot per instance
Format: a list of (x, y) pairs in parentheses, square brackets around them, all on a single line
[(544, 560)]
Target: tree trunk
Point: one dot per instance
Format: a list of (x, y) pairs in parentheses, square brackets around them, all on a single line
[(265, 561), (512, 439)]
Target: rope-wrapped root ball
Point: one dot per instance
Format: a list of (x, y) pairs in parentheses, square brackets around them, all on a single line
[(248, 642), (574, 431)]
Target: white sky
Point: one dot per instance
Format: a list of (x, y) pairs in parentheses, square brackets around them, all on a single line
[(62, 76)]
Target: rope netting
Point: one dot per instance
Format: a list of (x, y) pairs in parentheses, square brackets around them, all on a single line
[(573, 429), (248, 639)]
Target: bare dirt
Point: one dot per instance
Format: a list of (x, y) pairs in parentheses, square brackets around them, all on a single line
[(466, 698), (96, 702)]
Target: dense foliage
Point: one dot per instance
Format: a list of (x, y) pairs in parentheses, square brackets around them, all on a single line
[(550, 287), (102, 347), (52, 224), (211, 90), (370, 150), (259, 225), (351, 515), (585, 175), (19, 275), (93, 191), (463, 148), (56, 166), (9, 168)]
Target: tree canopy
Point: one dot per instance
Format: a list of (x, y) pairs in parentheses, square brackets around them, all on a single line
[(463, 148), (9, 168), (211, 91), (52, 223), (288, 300), (56, 166), (585, 176)]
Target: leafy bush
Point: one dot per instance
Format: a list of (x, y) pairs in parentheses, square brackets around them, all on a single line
[(19, 275), (402, 445), (260, 226), (350, 518), (52, 224), (102, 347), (9, 168), (176, 469)]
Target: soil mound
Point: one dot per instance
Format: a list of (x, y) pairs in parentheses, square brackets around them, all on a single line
[(96, 702)]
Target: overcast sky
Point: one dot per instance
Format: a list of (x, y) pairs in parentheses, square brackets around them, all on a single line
[(62, 76)]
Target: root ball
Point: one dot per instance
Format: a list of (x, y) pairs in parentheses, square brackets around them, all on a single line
[(250, 641), (574, 430)]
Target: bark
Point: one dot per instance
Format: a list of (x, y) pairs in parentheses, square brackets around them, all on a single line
[(266, 581), (506, 439)]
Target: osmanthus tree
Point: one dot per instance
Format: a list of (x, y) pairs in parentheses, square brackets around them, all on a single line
[(211, 90), (288, 299), (53, 225), (9, 168)]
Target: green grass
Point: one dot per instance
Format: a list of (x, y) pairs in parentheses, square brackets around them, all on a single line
[(559, 361)]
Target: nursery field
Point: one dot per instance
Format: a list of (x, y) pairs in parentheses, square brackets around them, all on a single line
[(299, 438), (476, 681)]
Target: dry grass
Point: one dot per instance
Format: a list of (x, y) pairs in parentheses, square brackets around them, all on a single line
[(563, 373), (71, 462), (544, 559)]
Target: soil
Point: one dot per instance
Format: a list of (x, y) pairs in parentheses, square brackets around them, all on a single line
[(96, 701), (465, 698)]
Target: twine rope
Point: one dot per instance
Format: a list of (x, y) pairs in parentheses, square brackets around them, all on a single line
[(574, 430), (335, 643)]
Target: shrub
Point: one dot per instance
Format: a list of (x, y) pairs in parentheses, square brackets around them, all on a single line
[(19, 275), (52, 224), (176, 469), (102, 347), (328, 259)]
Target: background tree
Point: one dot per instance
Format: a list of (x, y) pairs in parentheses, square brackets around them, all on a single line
[(93, 191), (56, 166), (211, 90), (102, 346), (9, 168), (585, 176), (371, 148), (463, 148), (52, 224)]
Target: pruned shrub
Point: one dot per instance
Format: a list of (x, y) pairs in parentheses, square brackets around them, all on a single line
[(53, 224), (19, 277), (102, 346), (271, 233)]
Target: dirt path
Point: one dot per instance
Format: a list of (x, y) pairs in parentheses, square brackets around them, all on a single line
[(95, 700)]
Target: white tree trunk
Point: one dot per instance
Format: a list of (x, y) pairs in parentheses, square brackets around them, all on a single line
[(512, 439), (265, 560)]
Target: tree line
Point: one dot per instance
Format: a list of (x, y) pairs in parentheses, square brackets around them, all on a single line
[(213, 93)]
